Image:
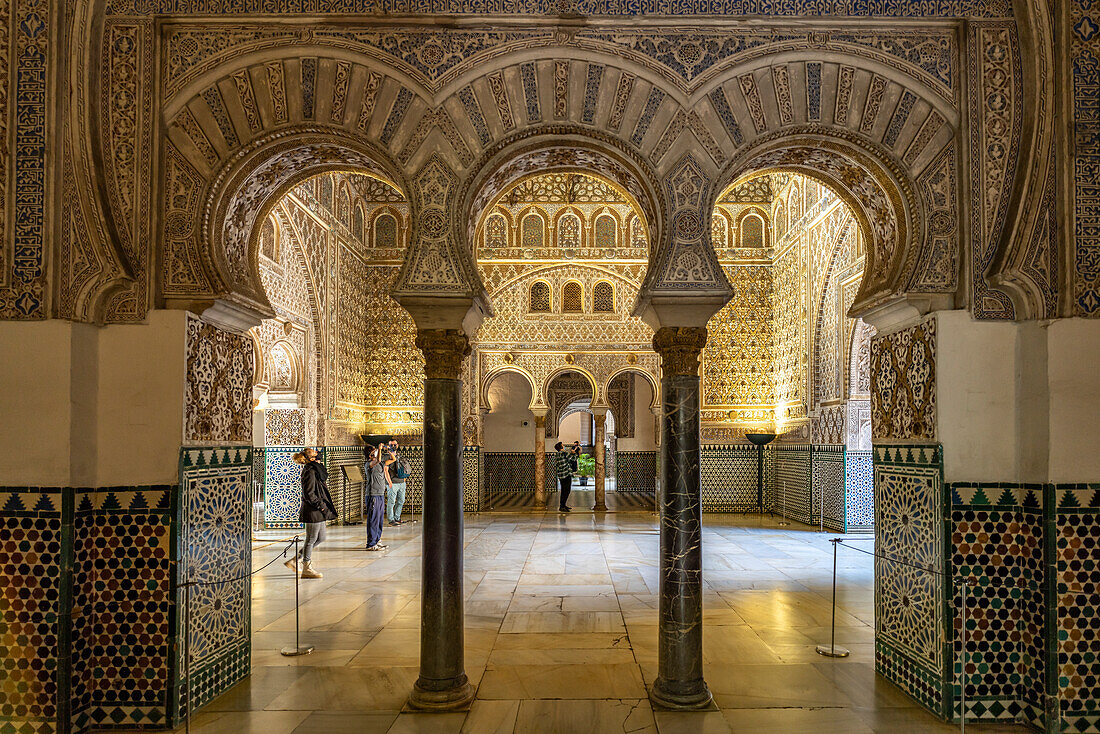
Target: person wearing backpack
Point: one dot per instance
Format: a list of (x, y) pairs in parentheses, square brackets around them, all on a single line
[(395, 497)]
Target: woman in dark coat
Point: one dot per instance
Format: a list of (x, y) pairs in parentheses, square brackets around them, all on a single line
[(317, 509)]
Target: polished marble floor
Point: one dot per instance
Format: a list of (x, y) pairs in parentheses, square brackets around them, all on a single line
[(561, 635)]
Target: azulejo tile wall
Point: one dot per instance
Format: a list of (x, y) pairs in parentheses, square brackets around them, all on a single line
[(636, 471), (793, 482), (828, 497), (95, 640), (282, 487), (859, 486), (910, 590), (213, 567)]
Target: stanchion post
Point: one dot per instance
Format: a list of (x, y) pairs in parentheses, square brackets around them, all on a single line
[(298, 648), (832, 651)]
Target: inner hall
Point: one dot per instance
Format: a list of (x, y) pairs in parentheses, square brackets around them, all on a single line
[(500, 367)]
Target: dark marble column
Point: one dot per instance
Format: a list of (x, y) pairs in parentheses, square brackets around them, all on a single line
[(442, 684), (679, 683)]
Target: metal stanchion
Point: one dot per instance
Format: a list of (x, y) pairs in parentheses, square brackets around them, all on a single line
[(298, 648), (783, 514), (832, 651)]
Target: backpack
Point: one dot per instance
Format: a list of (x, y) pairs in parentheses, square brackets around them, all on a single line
[(399, 470)]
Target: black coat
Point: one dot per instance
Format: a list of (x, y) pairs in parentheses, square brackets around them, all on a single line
[(316, 502)]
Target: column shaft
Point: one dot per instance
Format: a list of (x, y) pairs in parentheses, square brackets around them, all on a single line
[(442, 683), (600, 422), (540, 461), (679, 683)]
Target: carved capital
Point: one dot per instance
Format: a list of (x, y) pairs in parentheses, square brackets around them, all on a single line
[(680, 348), (444, 350)]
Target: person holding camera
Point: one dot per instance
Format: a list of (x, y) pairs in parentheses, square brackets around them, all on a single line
[(378, 481), (395, 498), (563, 468)]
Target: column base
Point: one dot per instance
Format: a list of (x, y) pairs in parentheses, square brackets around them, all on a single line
[(600, 508), (691, 696), (455, 697)]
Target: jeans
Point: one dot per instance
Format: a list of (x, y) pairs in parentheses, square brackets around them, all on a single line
[(395, 500), (315, 535), (375, 507), (565, 484)]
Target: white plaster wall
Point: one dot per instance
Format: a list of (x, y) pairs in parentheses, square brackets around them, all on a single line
[(976, 398), (570, 429), (644, 437), (502, 427), (36, 372), (1073, 351), (142, 378)]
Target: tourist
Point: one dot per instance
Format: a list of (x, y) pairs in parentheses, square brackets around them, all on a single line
[(378, 480), (395, 498), (575, 457), (317, 509), (563, 469)]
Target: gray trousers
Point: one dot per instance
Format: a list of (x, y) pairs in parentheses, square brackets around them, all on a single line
[(315, 535)]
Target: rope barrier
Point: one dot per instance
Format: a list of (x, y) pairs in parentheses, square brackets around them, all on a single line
[(282, 554)]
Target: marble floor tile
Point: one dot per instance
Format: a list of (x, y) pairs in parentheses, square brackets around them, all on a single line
[(561, 635)]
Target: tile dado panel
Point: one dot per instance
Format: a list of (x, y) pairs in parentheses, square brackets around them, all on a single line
[(729, 477), (910, 590), (636, 471), (95, 638)]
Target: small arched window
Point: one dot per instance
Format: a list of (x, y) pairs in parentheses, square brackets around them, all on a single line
[(357, 222), (606, 231), (572, 298), (752, 231), (496, 231), (540, 297), (531, 231), (385, 231), (569, 231), (603, 298), (269, 239)]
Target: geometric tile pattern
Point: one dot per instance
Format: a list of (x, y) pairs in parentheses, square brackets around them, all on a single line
[(909, 586), (511, 471), (997, 542), (347, 496), (122, 640), (793, 482), (860, 490), (636, 471), (285, 427), (729, 477), (215, 542), (827, 468), (1076, 569), (282, 488), (32, 556)]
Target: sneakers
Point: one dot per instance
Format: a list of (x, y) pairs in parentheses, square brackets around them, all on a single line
[(564, 509), (393, 523), (292, 564), (309, 572), (378, 547)]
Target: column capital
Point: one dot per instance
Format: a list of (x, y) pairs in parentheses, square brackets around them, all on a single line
[(444, 350), (679, 348), (539, 413)]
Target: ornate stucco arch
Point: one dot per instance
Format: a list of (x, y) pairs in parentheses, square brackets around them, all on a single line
[(211, 252), (599, 397), (881, 195), (651, 377)]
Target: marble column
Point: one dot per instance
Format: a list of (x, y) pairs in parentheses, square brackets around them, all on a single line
[(599, 417), (540, 457), (442, 684), (679, 683)]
